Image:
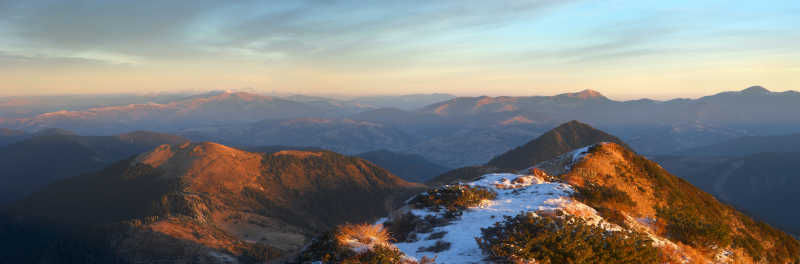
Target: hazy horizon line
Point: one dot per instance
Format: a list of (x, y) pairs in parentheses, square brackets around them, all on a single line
[(347, 96)]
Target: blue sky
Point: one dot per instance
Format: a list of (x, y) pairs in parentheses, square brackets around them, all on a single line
[(625, 49)]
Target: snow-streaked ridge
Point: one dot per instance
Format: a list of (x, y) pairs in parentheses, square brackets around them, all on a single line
[(533, 191), (516, 193)]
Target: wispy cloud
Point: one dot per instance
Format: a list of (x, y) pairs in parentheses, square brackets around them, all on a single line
[(9, 60), (360, 43), (305, 30)]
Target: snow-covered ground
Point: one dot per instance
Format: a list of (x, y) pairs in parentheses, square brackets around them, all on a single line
[(527, 194)]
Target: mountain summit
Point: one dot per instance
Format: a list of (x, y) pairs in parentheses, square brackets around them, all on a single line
[(755, 90), (585, 94), (209, 203), (560, 140)]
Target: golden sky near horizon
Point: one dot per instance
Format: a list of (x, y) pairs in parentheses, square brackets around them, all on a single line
[(624, 49)]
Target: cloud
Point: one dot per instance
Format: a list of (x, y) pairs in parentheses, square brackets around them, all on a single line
[(318, 31), (354, 39), (9, 60), (136, 28), (343, 31)]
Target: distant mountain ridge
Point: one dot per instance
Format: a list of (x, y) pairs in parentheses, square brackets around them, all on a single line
[(345, 136), (8, 136), (201, 110), (457, 132), (647, 125), (405, 102), (51, 155)]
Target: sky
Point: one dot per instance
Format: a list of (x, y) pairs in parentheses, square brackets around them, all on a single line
[(624, 49)]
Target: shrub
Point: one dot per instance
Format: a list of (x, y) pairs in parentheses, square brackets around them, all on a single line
[(750, 245), (785, 248), (595, 194), (566, 239), (378, 255), (362, 243), (259, 253), (323, 248), (439, 246), (437, 235), (401, 227), (612, 216), (689, 226), (452, 197)]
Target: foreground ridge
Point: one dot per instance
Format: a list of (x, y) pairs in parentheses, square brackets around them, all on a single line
[(647, 214)]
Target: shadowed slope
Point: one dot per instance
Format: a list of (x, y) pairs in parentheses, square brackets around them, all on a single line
[(50, 155)]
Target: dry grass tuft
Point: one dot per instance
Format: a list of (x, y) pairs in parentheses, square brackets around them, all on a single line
[(356, 235)]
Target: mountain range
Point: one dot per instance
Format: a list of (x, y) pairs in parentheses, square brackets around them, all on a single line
[(456, 132), (210, 203), (28, 106), (216, 108)]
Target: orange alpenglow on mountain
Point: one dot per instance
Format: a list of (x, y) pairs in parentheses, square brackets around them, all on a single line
[(217, 203)]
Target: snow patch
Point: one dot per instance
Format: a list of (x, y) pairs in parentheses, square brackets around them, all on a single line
[(515, 194), (580, 153)]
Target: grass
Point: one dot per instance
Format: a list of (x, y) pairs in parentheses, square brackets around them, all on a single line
[(363, 234)]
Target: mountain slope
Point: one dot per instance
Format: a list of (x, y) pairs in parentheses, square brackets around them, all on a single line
[(341, 135), (406, 102), (51, 155), (762, 184), (606, 186), (410, 167), (560, 140), (746, 146), (744, 172), (8, 136), (216, 203)]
